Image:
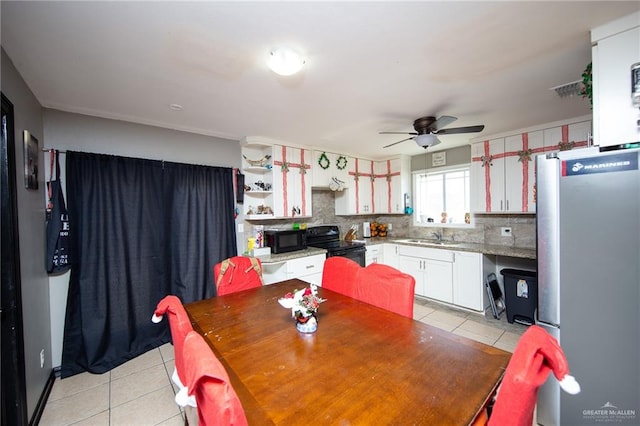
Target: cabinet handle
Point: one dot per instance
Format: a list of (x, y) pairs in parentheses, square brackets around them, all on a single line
[(309, 266), (501, 209), (507, 205)]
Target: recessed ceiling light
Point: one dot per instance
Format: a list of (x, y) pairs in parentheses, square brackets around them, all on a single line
[(175, 107), (285, 61)]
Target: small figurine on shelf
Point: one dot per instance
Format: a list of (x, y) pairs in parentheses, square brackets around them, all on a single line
[(444, 217), (467, 218)]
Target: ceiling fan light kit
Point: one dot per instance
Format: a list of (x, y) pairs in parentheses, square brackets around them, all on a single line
[(285, 61), (426, 129), (426, 141)]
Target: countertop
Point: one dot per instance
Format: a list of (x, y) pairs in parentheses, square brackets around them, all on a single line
[(461, 246), (522, 253), (279, 258)]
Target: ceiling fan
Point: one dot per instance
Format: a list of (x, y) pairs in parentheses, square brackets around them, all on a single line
[(427, 129)]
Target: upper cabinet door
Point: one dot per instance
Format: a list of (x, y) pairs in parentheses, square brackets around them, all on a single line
[(358, 197), (328, 165), (616, 49), (503, 169), (520, 151), (487, 172), (392, 181), (291, 181)]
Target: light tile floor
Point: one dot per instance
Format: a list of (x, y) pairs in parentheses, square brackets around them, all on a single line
[(140, 392)]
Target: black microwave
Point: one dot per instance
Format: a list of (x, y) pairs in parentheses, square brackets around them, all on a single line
[(285, 240)]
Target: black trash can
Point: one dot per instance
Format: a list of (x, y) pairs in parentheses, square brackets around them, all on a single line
[(521, 295)]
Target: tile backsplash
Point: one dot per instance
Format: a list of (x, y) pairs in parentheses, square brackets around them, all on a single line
[(487, 228)]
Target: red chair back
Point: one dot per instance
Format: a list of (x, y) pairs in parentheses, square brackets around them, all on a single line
[(339, 275), (387, 288), (536, 355), (236, 274), (207, 380), (180, 326)]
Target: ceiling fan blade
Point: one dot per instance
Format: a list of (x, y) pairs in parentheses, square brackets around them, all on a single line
[(397, 133), (443, 121), (468, 129), (396, 143)]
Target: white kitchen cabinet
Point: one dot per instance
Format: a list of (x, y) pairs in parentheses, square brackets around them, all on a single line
[(616, 46), (390, 255), (322, 176), (374, 254), (375, 187), (454, 277), (392, 181), (503, 168), (432, 270), (468, 284), (291, 182), (487, 173), (286, 175), (438, 280), (358, 197), (308, 268), (413, 266)]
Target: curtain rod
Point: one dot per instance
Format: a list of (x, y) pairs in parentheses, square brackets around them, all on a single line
[(52, 149)]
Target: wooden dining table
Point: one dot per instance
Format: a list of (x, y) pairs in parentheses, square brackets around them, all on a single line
[(363, 366)]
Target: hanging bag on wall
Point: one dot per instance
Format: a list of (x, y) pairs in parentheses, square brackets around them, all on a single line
[(57, 221)]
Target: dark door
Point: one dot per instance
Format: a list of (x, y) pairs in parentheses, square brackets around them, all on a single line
[(13, 393)]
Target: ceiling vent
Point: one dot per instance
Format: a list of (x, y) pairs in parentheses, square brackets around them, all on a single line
[(575, 88)]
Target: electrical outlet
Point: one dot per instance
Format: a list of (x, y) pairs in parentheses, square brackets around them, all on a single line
[(42, 358), (240, 227), (389, 227), (505, 231)]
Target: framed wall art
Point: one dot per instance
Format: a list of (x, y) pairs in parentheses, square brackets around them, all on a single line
[(30, 161)]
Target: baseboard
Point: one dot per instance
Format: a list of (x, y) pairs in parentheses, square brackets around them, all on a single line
[(42, 402)]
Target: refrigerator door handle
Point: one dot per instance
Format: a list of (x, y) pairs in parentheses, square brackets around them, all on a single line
[(548, 238)]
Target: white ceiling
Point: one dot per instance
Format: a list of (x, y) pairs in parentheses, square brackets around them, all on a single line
[(371, 66)]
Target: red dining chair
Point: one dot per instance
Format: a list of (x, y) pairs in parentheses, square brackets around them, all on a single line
[(387, 288), (536, 355), (237, 273), (208, 381), (180, 326), (339, 275)]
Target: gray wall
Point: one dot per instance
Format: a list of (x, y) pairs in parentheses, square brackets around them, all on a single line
[(455, 156), (31, 226), (77, 132)]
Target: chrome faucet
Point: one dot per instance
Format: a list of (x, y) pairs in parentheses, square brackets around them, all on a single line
[(438, 236)]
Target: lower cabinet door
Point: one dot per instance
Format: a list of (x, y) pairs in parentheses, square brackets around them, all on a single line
[(438, 279), (468, 285), (414, 267)]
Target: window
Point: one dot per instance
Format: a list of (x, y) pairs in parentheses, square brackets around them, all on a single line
[(439, 193)]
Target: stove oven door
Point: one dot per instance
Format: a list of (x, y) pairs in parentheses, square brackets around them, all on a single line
[(358, 254)]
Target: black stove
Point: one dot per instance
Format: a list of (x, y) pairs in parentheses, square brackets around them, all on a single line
[(328, 238)]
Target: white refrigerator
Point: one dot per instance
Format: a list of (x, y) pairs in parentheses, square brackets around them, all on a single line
[(588, 251)]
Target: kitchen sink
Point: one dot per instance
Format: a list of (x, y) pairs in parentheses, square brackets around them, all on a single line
[(433, 243)]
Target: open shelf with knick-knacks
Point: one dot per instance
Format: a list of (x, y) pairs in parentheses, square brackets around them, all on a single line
[(257, 166), (277, 180)]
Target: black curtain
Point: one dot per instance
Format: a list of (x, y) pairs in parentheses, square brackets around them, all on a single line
[(140, 229), (201, 224)]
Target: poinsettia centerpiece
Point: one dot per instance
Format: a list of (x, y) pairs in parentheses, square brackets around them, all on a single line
[(303, 303)]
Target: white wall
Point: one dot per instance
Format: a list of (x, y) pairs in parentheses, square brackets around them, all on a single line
[(76, 132)]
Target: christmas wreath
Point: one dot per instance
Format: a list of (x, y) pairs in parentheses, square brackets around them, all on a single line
[(341, 162), (323, 161)]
